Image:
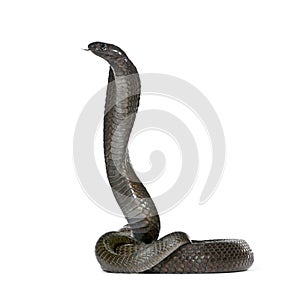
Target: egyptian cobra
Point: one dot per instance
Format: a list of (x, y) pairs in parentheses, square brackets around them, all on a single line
[(135, 248)]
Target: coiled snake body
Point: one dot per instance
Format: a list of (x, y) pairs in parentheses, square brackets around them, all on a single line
[(135, 247)]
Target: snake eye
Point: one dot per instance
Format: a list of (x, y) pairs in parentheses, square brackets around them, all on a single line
[(103, 46)]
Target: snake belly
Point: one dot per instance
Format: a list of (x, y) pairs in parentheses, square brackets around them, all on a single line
[(135, 248)]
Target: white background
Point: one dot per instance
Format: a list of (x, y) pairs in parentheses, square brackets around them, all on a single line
[(243, 55)]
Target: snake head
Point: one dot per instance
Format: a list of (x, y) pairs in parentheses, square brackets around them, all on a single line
[(107, 51)]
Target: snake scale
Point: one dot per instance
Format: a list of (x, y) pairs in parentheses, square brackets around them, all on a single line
[(135, 248)]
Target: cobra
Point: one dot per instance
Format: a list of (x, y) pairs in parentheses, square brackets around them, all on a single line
[(136, 248)]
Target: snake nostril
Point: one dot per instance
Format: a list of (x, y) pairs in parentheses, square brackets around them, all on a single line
[(92, 45)]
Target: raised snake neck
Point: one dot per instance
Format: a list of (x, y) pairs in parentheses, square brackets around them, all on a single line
[(135, 248)]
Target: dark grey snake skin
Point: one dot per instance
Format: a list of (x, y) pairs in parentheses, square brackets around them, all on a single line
[(135, 248)]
